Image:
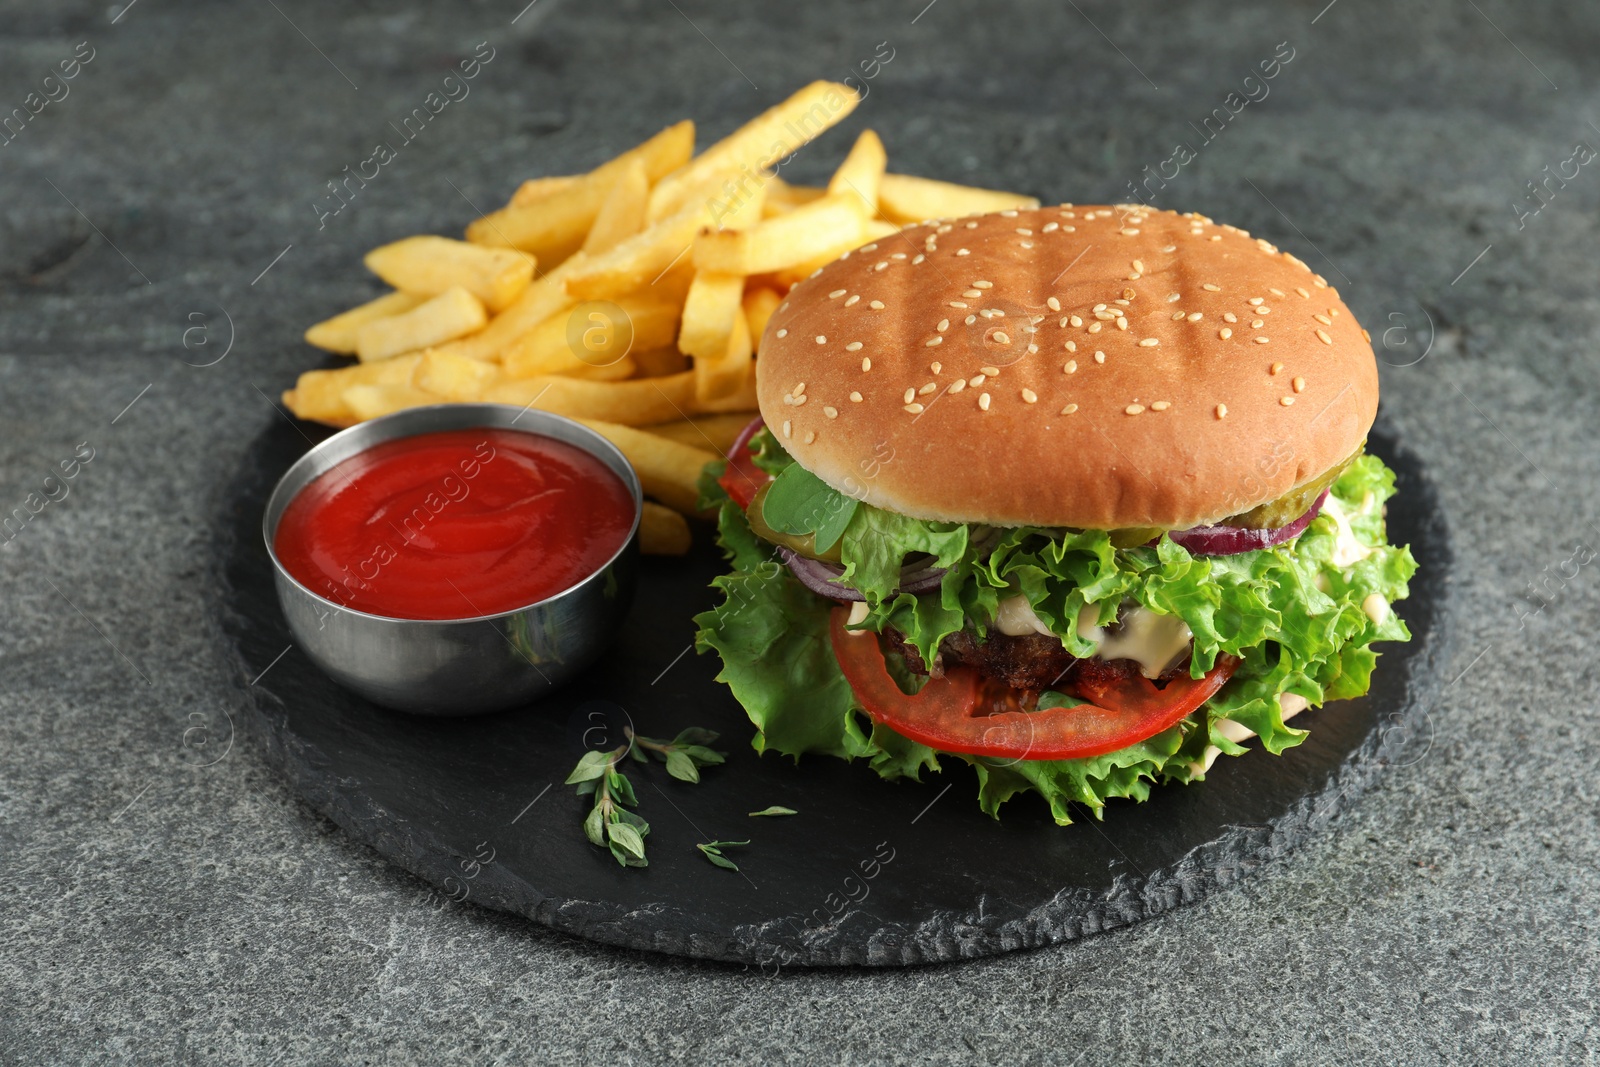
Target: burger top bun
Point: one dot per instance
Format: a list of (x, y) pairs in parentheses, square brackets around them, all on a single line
[(1083, 366)]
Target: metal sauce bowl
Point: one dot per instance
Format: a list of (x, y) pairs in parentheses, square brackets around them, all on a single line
[(457, 666)]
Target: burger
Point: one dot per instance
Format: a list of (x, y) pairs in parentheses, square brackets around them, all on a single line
[(1077, 495)]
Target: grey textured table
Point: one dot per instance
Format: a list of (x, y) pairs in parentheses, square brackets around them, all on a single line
[(167, 899)]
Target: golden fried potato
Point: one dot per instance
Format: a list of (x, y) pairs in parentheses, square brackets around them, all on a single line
[(427, 266), (453, 313), (904, 198), (667, 470), (338, 334), (662, 531)]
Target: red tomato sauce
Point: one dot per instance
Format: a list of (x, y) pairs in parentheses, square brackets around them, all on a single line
[(454, 525)]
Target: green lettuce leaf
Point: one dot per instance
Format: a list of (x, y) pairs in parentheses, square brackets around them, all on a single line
[(1298, 623)]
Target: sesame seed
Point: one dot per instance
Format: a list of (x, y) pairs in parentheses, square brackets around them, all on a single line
[(1025, 244), (1172, 298), (1129, 231), (918, 258), (787, 428), (1124, 301), (983, 401), (1009, 213), (1105, 316), (853, 346), (1134, 409), (970, 319), (1303, 291), (1216, 237), (1261, 340), (783, 333), (898, 255), (1001, 337), (1069, 409), (1098, 307), (1276, 367), (981, 284), (1277, 292), (973, 292), (977, 380), (868, 248), (958, 303), (1286, 401), (1255, 300), (855, 398), (1323, 319), (944, 324), (958, 385), (1050, 227), (1070, 367), (1256, 324), (911, 394), (1224, 333), (831, 412), (798, 389), (1149, 342), (836, 294), (852, 301), (1138, 265), (882, 263), (1075, 320), (811, 435), (1170, 248), (1029, 396), (1099, 357), (972, 225), (1367, 335), (1320, 282), (929, 388), (1322, 335), (866, 362), (1053, 304), (801, 399), (936, 366), (822, 339), (1070, 346), (1299, 385), (876, 305), (1094, 327), (962, 252), (1160, 405), (915, 409), (1222, 411), (1176, 316), (1208, 287), (993, 372), (1228, 316), (930, 342), (1122, 323)]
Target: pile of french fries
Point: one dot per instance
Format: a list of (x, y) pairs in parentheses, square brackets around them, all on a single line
[(630, 298)]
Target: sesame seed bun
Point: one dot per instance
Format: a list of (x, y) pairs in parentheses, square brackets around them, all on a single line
[(1114, 412)]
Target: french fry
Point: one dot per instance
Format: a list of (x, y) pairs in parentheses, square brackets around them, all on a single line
[(723, 376), (621, 370), (447, 316), (905, 198), (592, 335), (756, 145), (657, 362), (716, 432), (428, 266), (783, 198), (878, 229), (784, 240), (454, 376), (536, 189), (318, 395), (640, 261), (622, 214), (862, 171), (547, 296), (554, 226), (759, 304), (371, 401), (667, 470), (709, 312), (743, 401), (662, 531), (338, 334), (638, 402)]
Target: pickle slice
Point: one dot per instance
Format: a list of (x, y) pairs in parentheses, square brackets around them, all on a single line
[(1293, 504)]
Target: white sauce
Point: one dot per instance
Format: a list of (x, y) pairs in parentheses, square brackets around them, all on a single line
[(1151, 640), (1347, 550), (1015, 617), (1289, 705), (1376, 607), (858, 615)]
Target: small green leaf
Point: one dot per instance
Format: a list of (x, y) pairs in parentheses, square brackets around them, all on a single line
[(1051, 699), (703, 756), (622, 788), (712, 850), (680, 766), (694, 735), (776, 809), (626, 837), (592, 765), (594, 826), (798, 502), (587, 788), (634, 820), (722, 861)]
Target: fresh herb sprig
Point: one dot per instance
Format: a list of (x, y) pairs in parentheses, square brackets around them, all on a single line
[(610, 824), (712, 850)]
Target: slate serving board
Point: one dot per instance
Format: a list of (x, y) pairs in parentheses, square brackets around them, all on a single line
[(869, 872)]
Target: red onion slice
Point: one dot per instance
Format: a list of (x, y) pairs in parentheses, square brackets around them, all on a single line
[(745, 436), (1231, 540), (821, 577)]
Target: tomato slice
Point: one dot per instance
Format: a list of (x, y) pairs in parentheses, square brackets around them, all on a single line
[(743, 479), (968, 713)]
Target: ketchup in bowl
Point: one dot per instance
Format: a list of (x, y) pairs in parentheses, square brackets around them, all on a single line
[(455, 524)]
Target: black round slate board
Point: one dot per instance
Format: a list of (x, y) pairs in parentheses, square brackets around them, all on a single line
[(869, 872)]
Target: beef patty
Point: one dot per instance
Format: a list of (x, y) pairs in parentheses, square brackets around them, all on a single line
[(1029, 661)]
